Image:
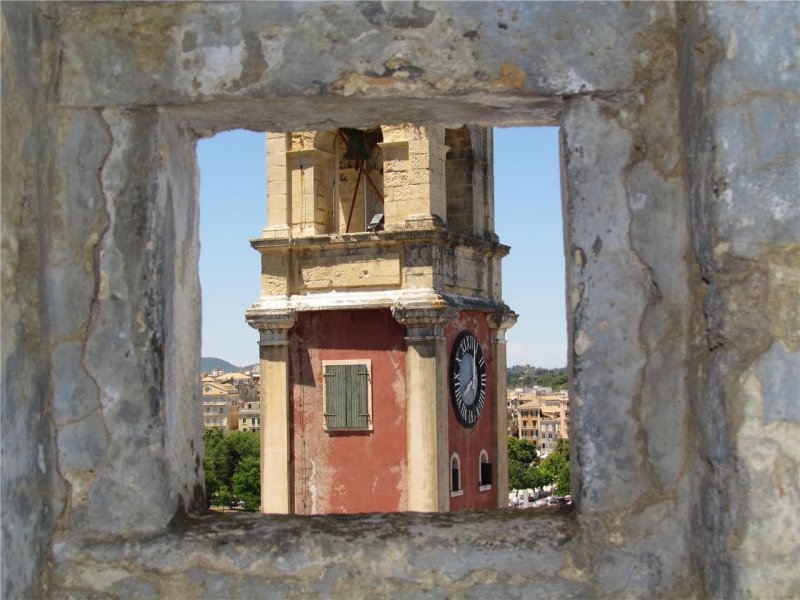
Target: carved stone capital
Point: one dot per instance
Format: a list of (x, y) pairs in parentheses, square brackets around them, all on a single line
[(500, 322), (273, 337), (272, 324), (423, 323)]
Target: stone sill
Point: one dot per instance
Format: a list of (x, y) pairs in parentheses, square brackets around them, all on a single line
[(269, 555)]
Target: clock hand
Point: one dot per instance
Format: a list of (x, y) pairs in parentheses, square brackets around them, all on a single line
[(474, 366), (471, 384)]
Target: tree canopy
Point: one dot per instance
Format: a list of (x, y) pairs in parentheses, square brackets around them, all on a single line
[(521, 455), (556, 467), (524, 472), (523, 451), (232, 466)]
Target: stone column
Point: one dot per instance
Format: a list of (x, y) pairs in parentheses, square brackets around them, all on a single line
[(426, 406), (276, 459), (500, 323)]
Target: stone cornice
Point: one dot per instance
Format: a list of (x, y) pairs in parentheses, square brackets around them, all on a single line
[(281, 309), (276, 316), (331, 241)]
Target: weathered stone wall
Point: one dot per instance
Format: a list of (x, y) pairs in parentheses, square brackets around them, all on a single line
[(680, 170), (32, 496), (742, 143)]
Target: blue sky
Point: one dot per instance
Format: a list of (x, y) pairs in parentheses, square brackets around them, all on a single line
[(528, 218)]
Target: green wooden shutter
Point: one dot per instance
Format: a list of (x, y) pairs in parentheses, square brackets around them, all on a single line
[(336, 397), (347, 396), (358, 405)]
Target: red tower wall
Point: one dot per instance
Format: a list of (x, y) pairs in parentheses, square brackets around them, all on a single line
[(348, 472), (468, 442)]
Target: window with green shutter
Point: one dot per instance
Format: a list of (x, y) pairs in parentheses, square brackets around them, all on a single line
[(348, 398)]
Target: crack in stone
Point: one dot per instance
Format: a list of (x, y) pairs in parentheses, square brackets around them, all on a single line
[(94, 311)]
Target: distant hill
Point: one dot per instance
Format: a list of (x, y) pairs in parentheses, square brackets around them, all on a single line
[(209, 363), (528, 376)]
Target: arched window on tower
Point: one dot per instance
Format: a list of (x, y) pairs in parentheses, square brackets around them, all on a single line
[(455, 476), (484, 472)]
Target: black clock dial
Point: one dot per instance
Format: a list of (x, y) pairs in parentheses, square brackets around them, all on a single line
[(467, 379)]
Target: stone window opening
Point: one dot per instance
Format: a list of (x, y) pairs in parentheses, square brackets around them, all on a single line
[(484, 472), (455, 468), (456, 488)]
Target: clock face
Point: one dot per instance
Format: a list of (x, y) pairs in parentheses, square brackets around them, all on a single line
[(467, 379)]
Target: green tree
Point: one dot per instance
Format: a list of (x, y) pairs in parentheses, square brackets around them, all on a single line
[(247, 483), (232, 466), (523, 451), (556, 467), (212, 439), (538, 479), (517, 475), (224, 497), (521, 455)]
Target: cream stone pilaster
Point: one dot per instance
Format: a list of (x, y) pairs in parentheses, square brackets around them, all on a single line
[(278, 208), (488, 181), (500, 323), (276, 474), (396, 188), (426, 407), (414, 177), (311, 196)]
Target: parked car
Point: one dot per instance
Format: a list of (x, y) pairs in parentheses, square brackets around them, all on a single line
[(540, 503), (555, 501)]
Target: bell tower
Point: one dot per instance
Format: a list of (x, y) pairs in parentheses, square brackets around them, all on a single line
[(382, 324)]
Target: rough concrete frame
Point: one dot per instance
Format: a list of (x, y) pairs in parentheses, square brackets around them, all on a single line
[(98, 157)]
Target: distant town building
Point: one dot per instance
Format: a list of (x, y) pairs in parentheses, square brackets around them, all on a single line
[(528, 421), (250, 416), (541, 419), (220, 405)]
